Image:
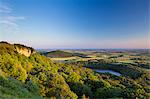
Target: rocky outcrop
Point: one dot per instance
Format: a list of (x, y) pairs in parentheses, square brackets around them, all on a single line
[(24, 50)]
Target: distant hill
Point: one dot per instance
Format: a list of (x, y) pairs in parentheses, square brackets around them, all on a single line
[(81, 55), (63, 54), (58, 54)]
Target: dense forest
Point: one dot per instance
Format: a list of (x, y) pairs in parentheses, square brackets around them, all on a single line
[(36, 76)]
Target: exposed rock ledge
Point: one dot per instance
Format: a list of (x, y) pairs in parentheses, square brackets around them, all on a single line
[(24, 50)]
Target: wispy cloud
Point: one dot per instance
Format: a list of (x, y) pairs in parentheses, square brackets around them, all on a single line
[(8, 21), (5, 9)]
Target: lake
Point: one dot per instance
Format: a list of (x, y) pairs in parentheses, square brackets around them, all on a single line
[(107, 71)]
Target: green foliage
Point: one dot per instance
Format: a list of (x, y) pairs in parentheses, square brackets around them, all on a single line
[(11, 88), (81, 89), (111, 92), (37, 76)]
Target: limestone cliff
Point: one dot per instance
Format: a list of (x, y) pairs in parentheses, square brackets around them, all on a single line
[(24, 50)]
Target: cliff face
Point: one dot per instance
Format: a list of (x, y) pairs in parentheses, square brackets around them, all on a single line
[(24, 50)]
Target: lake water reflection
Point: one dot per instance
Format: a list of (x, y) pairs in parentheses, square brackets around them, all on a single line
[(108, 71)]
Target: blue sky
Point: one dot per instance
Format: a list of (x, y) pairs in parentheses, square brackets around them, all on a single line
[(75, 23)]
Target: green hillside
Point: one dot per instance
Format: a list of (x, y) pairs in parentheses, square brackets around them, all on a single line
[(63, 54), (36, 76), (58, 54)]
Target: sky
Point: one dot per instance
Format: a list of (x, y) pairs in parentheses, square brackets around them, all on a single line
[(48, 24)]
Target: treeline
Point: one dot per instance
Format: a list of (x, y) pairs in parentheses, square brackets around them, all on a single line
[(37, 77), (132, 70)]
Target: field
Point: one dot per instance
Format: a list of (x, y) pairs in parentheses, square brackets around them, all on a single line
[(123, 56), (131, 63)]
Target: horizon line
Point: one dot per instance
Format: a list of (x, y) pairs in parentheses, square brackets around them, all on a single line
[(91, 48)]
